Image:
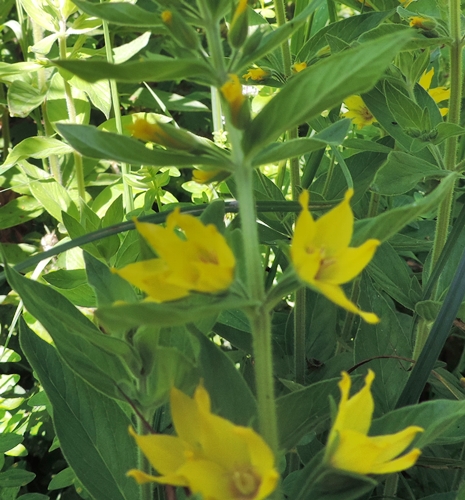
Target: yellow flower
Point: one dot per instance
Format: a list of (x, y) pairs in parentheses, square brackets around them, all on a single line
[(298, 67), (153, 132), (350, 448), (321, 254), (241, 8), (358, 111), (210, 455), (202, 262), (256, 74), (438, 94)]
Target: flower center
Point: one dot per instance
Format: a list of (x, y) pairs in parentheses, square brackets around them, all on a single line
[(365, 113), (244, 483)]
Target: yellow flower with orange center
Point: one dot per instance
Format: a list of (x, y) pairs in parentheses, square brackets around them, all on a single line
[(321, 255), (202, 262), (210, 455)]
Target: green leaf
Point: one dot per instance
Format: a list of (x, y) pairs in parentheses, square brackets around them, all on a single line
[(178, 312), (302, 411), (54, 198), (15, 477), (389, 223), (159, 69), (23, 98), (9, 440), (386, 338), (443, 421), (73, 285), (276, 37), (123, 13), (92, 429), (91, 142), (402, 172), (63, 479), (405, 111), (109, 287), (321, 87), (101, 360), (231, 396), (446, 130), (35, 147), (348, 30), (333, 135), (18, 211), (390, 272)]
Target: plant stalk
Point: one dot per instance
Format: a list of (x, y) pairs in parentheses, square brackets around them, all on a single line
[(125, 168), (78, 165)]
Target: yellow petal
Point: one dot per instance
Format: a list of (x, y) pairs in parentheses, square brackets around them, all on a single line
[(333, 231), (356, 412), (404, 462), (186, 419), (337, 295), (425, 80), (444, 111), (209, 479), (439, 94), (349, 263), (141, 477), (152, 277), (392, 445), (166, 454)]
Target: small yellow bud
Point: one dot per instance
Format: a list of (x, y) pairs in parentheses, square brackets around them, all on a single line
[(239, 25), (167, 16), (232, 92), (423, 23), (209, 176), (298, 67)]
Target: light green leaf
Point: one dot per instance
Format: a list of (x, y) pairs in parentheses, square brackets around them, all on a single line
[(124, 52), (18, 211), (321, 87), (35, 147), (54, 198), (23, 98)]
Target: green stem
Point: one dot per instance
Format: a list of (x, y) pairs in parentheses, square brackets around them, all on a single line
[(5, 124), (374, 205), (259, 316), (300, 318), (213, 35), (350, 317), (286, 50), (146, 490), (125, 168), (79, 169), (450, 154)]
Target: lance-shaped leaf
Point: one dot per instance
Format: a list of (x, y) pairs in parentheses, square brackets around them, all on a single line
[(123, 13), (159, 69), (322, 87), (94, 143)]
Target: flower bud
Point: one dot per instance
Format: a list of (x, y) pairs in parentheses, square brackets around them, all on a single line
[(422, 23), (238, 104), (239, 25), (165, 135), (209, 176), (298, 67)]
